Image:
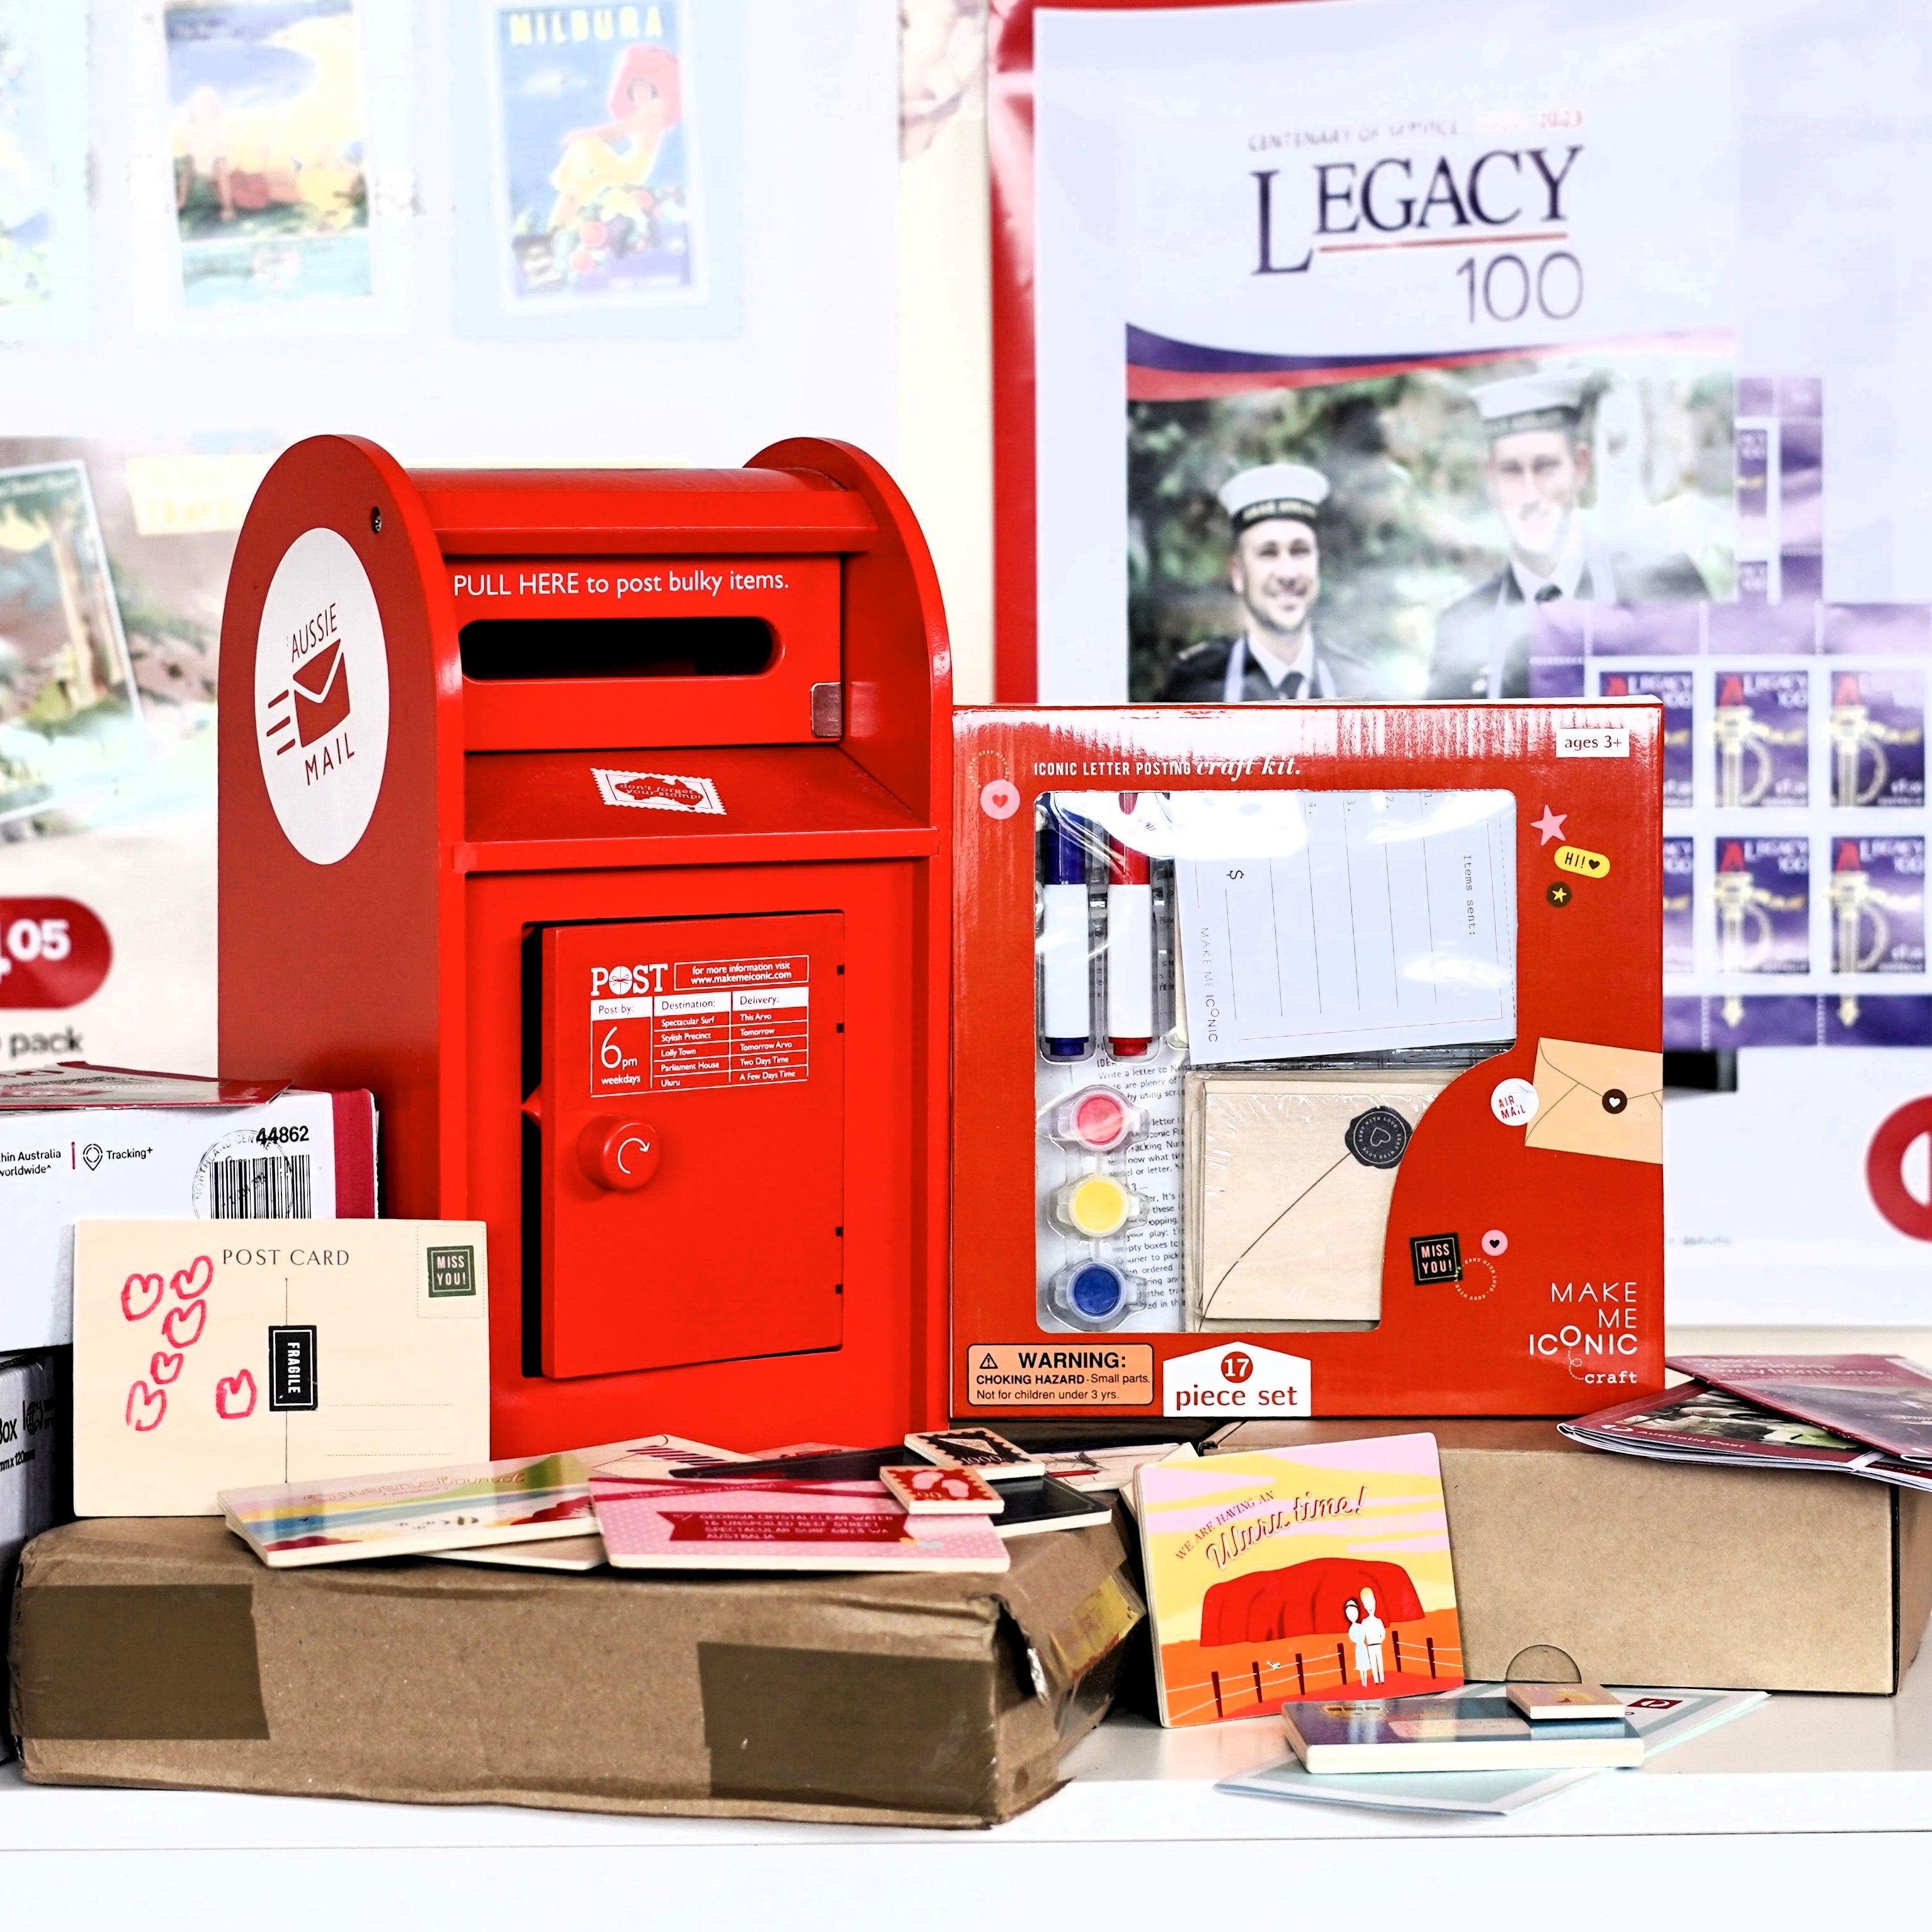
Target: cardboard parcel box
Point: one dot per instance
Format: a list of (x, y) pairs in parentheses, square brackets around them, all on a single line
[(1639, 1572), (160, 1652)]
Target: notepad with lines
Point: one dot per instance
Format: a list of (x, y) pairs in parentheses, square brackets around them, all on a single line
[(1331, 922)]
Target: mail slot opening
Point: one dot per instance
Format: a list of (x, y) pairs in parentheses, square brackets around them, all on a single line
[(501, 650)]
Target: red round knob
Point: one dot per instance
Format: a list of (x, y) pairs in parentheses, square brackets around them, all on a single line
[(618, 1154)]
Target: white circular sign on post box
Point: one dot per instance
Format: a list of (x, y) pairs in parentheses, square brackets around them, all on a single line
[(322, 696)]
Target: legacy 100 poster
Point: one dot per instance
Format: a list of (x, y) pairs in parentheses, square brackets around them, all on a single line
[(1470, 310), (1468, 348)]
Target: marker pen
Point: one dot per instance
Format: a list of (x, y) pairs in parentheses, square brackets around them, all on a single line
[(1065, 1012), (1129, 948)]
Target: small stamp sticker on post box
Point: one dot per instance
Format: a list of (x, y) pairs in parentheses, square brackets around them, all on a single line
[(1235, 1381), (657, 791)]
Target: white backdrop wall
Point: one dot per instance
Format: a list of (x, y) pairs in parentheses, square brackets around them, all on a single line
[(798, 103)]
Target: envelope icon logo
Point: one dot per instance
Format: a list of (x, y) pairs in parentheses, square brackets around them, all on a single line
[(1602, 1100), (321, 691)]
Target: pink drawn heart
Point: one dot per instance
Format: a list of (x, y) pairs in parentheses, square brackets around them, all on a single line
[(235, 1396), (140, 1296), (181, 1331), (194, 1279), (146, 1407), (165, 1367)]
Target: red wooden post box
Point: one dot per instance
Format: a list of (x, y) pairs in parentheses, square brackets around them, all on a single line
[(598, 821)]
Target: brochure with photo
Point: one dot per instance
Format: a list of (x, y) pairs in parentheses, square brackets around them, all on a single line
[(1692, 1423), (1885, 1401), (1695, 1423)]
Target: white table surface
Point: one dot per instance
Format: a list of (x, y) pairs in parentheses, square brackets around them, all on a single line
[(1809, 1808)]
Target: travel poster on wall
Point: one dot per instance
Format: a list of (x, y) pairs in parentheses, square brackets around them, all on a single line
[(271, 145), (270, 136), (598, 175)]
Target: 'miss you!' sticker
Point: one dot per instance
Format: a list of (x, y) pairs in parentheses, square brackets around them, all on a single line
[(657, 791)]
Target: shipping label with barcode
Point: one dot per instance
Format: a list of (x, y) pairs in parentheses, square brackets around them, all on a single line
[(282, 1170)]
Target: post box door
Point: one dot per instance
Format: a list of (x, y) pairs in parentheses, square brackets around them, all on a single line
[(691, 1114)]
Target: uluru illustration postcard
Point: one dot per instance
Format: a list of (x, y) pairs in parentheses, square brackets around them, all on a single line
[(1321, 1572)]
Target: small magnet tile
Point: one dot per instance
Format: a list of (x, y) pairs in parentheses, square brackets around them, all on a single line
[(1573, 1702), (981, 1449), (921, 1489)]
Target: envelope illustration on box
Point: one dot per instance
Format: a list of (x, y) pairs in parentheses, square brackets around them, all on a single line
[(212, 1355), (1606, 1100), (321, 689)]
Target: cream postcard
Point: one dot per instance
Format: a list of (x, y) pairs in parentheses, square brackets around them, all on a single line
[(211, 1355)]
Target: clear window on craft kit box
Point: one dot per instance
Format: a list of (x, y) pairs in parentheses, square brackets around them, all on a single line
[(1245, 1002)]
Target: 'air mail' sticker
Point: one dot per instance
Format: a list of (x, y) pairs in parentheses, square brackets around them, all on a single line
[(1514, 1102), (657, 791)]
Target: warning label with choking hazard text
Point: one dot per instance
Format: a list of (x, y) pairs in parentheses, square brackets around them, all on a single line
[(1110, 1375)]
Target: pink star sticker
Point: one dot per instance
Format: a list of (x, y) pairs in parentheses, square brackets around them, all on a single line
[(1550, 824)]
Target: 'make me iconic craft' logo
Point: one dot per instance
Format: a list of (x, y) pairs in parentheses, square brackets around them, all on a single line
[(310, 716)]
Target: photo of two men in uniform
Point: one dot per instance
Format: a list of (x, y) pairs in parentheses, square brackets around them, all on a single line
[(1536, 474)]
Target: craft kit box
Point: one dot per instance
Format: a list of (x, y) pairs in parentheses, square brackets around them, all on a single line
[(161, 1652), (1307, 1060), (90, 1142), (1620, 1570)]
